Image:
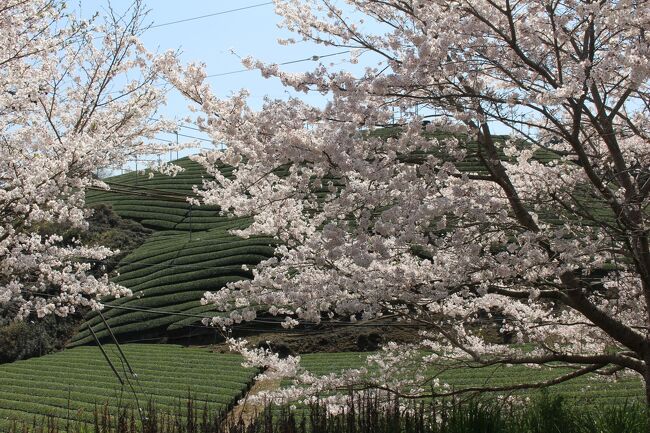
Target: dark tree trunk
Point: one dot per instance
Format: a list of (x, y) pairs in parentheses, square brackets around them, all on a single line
[(646, 383)]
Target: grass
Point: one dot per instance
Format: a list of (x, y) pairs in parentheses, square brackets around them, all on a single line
[(370, 413), (69, 385)]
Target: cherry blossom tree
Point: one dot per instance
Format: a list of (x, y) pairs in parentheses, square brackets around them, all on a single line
[(437, 221), (76, 97)]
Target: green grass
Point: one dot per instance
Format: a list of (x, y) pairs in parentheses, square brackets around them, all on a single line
[(70, 384)]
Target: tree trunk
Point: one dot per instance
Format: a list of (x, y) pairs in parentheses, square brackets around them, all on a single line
[(646, 383)]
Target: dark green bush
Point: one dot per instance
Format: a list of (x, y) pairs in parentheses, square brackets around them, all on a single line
[(26, 339)]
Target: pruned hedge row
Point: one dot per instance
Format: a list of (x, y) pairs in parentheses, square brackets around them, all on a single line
[(160, 202), (589, 389), (170, 273), (72, 383), (192, 252)]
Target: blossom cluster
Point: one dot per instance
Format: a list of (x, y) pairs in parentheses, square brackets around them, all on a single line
[(542, 233), (69, 107)]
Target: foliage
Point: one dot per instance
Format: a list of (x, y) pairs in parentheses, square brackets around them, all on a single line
[(160, 202), (189, 252), (25, 339), (22, 340), (545, 414), (583, 392), (170, 272)]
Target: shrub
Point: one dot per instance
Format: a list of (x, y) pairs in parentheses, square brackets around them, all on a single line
[(22, 340)]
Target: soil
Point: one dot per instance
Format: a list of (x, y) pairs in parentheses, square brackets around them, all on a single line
[(246, 411), (329, 339)]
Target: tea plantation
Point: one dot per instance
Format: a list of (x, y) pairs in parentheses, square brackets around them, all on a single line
[(170, 273), (190, 252), (72, 383), (587, 390), (160, 202)]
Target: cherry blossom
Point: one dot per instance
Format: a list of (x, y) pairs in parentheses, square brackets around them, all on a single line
[(77, 97), (445, 224)]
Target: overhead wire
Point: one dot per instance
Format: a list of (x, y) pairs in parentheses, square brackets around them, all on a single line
[(184, 20), (125, 363), (244, 325), (314, 58), (153, 194), (151, 189), (193, 137), (262, 321), (199, 17), (190, 127), (160, 265)]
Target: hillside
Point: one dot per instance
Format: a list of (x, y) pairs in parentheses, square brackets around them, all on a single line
[(188, 253), (191, 252), (160, 202)]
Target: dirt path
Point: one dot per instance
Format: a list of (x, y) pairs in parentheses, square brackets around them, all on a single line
[(246, 410)]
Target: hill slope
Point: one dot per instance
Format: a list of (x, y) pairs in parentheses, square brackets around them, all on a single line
[(160, 202), (189, 253)]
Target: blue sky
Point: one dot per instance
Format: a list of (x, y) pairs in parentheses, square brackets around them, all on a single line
[(251, 31)]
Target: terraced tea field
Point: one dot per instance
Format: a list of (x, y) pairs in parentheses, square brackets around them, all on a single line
[(72, 383), (589, 390), (171, 272), (69, 384), (160, 202), (190, 253)]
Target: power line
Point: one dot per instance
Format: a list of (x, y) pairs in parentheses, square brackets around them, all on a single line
[(190, 127), (166, 140), (314, 58), (180, 125), (149, 189), (210, 15), (200, 17), (262, 321), (161, 265), (152, 194), (196, 138)]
